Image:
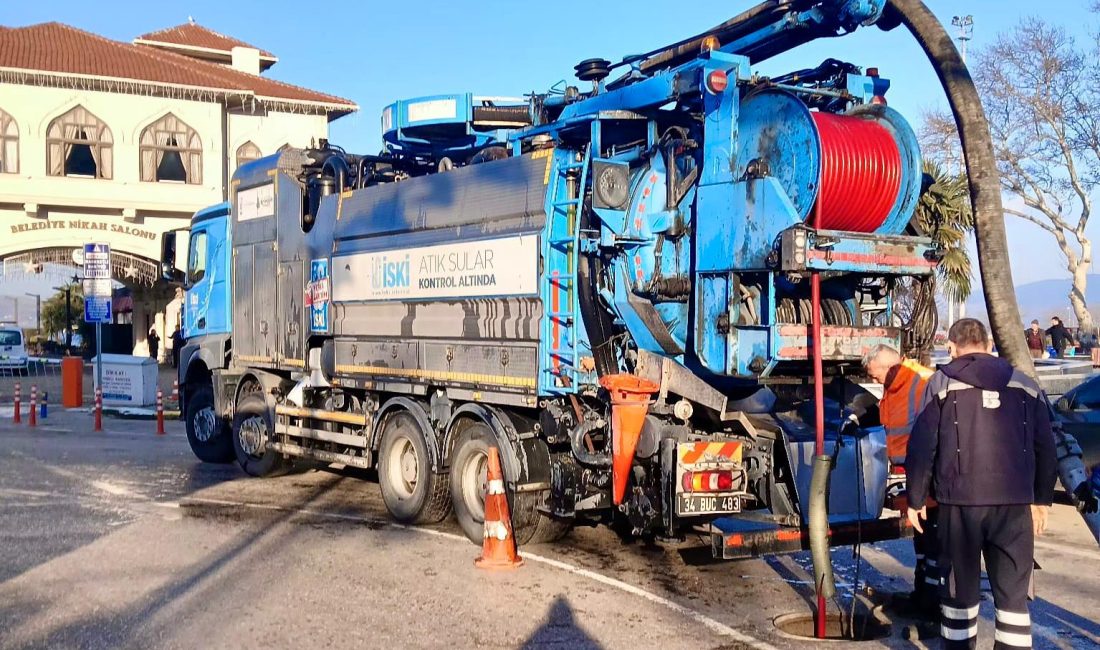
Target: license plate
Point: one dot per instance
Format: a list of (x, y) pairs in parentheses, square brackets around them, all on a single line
[(706, 504)]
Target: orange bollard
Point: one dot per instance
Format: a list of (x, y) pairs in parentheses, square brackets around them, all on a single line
[(160, 412), (498, 551), (17, 418), (98, 409), (72, 382), (33, 420), (176, 390), (630, 400)]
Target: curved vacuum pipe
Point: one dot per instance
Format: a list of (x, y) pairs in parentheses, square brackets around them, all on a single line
[(989, 227)]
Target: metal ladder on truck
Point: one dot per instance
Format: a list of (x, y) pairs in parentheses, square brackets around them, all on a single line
[(569, 175)]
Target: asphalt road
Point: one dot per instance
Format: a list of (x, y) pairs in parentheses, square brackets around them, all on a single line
[(123, 539)]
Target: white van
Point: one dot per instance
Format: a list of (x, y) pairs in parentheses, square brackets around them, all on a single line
[(13, 351)]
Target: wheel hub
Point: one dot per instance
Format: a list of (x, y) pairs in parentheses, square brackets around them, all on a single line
[(475, 484), (204, 423), (404, 468), (253, 436)]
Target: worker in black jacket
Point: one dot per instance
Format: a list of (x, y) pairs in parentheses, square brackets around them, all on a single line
[(983, 448)]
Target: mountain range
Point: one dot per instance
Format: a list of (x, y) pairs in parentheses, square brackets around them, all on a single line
[(1043, 299)]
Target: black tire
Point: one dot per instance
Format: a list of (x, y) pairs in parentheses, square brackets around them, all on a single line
[(252, 431), (207, 434), (412, 492), (468, 487)]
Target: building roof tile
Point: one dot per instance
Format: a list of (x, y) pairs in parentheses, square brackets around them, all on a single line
[(59, 48), (194, 35)]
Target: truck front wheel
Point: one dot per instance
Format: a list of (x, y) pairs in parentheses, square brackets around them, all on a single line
[(206, 432), (253, 433), (412, 492)]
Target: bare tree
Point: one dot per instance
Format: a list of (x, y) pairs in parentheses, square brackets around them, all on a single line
[(1041, 94)]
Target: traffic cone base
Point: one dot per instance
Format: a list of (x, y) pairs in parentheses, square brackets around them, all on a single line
[(498, 550)]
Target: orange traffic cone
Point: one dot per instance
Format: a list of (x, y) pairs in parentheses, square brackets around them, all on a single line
[(630, 398), (498, 551)]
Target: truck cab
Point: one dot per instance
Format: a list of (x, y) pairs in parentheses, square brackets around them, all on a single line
[(206, 286), (207, 323)]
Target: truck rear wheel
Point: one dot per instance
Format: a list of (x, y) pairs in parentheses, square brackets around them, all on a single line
[(469, 484), (206, 432), (412, 492), (252, 434)]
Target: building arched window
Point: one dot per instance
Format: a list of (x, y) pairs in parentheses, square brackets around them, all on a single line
[(79, 144), (9, 144), (171, 151), (247, 152)]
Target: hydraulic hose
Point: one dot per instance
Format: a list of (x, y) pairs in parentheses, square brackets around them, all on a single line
[(580, 451), (989, 228)]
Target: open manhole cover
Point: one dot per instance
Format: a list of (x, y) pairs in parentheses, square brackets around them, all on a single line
[(838, 627)]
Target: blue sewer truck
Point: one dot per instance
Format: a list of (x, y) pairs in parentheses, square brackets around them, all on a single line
[(504, 269)]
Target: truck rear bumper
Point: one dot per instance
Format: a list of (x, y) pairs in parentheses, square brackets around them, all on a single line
[(736, 539)]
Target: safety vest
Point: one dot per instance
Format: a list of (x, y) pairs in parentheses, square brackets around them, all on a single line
[(902, 399)]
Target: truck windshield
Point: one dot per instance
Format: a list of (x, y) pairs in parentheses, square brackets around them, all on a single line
[(8, 337), (196, 258)]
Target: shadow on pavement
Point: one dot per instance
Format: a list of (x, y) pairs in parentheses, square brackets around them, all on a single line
[(560, 630), (121, 629), (1047, 614)]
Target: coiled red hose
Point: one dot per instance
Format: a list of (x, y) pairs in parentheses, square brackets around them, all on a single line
[(860, 173)]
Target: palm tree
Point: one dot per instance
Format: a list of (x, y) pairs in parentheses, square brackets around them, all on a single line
[(944, 214)]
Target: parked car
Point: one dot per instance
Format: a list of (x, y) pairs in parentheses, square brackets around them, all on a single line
[(1079, 412), (13, 350)]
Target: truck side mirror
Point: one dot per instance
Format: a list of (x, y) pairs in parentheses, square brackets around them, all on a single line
[(168, 268)]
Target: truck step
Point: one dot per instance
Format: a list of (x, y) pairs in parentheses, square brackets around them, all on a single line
[(346, 439), (342, 417), (291, 449)]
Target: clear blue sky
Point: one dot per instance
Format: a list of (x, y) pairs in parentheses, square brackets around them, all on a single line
[(374, 52)]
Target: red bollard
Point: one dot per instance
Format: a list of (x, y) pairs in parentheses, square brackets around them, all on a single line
[(160, 412), (98, 408), (17, 418), (33, 421), (176, 390)]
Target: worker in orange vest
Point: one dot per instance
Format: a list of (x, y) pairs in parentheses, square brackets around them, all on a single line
[(903, 386)]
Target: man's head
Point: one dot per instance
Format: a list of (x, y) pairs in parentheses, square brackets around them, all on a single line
[(1054, 320), (1035, 324), (879, 360), (968, 336)]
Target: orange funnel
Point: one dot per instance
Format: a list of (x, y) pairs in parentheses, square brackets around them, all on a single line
[(629, 405)]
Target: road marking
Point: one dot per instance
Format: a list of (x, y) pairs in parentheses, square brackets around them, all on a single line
[(697, 616), (103, 486), (116, 490)]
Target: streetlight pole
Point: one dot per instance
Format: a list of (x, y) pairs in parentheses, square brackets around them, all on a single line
[(964, 31)]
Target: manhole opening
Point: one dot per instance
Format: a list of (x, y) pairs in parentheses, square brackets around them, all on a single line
[(838, 627)]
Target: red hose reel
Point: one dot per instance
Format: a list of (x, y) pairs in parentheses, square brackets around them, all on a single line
[(861, 172)]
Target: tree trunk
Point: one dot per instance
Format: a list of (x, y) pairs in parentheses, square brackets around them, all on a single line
[(985, 187), (1080, 282)]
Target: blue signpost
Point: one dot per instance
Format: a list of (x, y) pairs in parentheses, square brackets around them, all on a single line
[(97, 297)]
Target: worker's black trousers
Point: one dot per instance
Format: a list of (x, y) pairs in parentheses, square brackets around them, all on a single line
[(1003, 535), (926, 578)]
